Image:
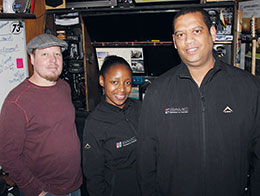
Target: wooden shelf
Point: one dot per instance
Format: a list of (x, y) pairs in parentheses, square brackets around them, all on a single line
[(133, 43), (174, 7), (17, 16), (143, 43)]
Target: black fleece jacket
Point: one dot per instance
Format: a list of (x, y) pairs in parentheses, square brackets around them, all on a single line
[(201, 141), (109, 149)]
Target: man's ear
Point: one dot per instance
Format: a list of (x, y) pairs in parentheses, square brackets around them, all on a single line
[(32, 58), (101, 80), (213, 33), (173, 38)]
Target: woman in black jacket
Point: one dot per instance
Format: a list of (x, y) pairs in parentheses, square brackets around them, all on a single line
[(110, 135)]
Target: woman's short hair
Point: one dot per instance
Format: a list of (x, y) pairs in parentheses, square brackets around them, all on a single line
[(111, 61)]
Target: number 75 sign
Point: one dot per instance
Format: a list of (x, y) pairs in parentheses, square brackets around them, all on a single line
[(16, 27)]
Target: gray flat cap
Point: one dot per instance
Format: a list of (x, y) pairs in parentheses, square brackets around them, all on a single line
[(45, 41)]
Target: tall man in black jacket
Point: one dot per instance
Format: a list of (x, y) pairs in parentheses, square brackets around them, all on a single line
[(200, 121)]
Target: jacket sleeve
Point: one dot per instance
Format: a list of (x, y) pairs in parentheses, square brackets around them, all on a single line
[(93, 161), (147, 147), (13, 122), (255, 170)]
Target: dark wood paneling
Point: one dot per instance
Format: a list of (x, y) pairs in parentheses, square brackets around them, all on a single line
[(35, 27)]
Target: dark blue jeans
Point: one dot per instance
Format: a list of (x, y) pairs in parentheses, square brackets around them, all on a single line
[(75, 193)]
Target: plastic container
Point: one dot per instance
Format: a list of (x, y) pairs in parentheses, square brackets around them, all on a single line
[(8, 6)]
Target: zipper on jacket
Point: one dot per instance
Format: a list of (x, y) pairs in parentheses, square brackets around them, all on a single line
[(131, 125), (113, 181), (203, 111)]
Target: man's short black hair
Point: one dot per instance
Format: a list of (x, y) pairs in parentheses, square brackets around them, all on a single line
[(184, 11)]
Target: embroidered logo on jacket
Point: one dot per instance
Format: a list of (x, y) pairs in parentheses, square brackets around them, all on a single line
[(227, 110), (124, 143), (119, 144), (173, 110), (87, 146)]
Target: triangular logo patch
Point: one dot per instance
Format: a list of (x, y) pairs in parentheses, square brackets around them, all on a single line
[(227, 110), (87, 146)]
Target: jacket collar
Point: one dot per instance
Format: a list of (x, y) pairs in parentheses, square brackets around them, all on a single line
[(115, 108), (184, 72)]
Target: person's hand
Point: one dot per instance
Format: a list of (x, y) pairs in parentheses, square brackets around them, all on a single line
[(43, 193)]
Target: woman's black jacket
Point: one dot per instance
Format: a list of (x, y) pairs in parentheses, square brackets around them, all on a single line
[(109, 149)]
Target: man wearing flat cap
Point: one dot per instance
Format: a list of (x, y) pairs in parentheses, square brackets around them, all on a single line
[(39, 146)]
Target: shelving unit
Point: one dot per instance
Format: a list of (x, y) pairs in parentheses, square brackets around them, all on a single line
[(139, 9), (146, 26), (17, 16)]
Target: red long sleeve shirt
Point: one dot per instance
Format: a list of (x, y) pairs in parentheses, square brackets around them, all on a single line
[(39, 146)]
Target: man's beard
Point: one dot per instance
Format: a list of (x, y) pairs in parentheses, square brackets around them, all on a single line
[(52, 78)]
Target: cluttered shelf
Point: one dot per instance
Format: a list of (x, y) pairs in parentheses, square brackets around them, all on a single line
[(17, 9), (174, 7), (17, 16)]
